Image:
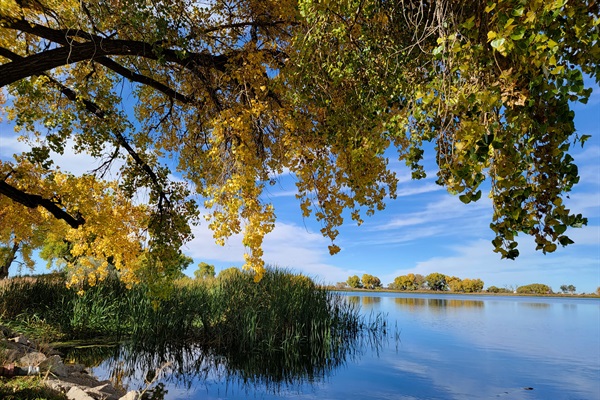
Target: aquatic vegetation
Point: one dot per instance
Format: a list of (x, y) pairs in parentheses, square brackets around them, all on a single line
[(232, 313)]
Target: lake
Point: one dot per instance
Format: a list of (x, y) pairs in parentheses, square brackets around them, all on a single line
[(435, 347)]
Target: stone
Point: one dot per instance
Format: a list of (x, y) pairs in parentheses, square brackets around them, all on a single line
[(133, 395), (32, 359), (106, 391), (76, 393), (55, 365), (20, 340)]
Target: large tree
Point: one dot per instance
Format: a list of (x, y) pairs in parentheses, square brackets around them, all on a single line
[(235, 93)]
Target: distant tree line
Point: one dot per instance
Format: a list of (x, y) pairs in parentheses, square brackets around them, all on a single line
[(368, 282), (411, 282), (439, 282)]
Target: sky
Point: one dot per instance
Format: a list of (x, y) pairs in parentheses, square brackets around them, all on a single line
[(424, 230)]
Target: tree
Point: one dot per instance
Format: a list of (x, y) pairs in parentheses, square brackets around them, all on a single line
[(436, 281), (564, 288), (354, 282), (568, 289), (472, 285), (236, 94), (370, 281), (535, 288), (419, 282), (112, 235), (204, 271), (455, 284), (405, 282)]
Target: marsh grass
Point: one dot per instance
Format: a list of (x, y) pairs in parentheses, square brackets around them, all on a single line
[(27, 388), (284, 312)]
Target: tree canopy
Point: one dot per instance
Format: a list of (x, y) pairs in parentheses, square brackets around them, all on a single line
[(235, 93)]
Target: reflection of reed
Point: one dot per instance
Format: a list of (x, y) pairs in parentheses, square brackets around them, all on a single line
[(414, 303), (186, 363), (90, 355)]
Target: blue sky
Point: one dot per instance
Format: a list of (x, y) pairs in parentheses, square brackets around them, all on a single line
[(424, 230)]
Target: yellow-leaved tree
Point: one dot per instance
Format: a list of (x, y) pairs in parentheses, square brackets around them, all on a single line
[(238, 92)]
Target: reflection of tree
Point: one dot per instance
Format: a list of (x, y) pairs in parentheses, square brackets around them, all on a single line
[(410, 302), (369, 300), (414, 303), (534, 305), (465, 303), (437, 303)]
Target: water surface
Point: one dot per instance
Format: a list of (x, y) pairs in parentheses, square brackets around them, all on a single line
[(436, 347)]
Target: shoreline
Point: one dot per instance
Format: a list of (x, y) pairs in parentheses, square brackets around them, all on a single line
[(447, 292)]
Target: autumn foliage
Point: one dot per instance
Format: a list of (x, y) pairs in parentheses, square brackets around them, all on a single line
[(235, 94)]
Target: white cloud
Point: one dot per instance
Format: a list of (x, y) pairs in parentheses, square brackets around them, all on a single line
[(475, 259), (288, 246), (69, 161)]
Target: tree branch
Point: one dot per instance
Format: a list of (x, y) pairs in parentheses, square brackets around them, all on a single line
[(94, 109), (95, 49), (34, 200)]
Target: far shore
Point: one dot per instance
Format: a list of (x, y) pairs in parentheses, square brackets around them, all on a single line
[(447, 292)]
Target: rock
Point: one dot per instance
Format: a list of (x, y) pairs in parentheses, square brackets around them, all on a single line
[(20, 340), (55, 365), (32, 359), (106, 391), (76, 393), (72, 379), (133, 395)]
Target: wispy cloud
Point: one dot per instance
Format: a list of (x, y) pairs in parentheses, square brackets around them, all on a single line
[(69, 161), (288, 245), (475, 259)]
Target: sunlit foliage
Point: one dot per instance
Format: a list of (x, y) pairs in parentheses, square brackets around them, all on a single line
[(237, 93)]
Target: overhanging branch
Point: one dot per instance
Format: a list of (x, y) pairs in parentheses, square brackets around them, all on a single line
[(34, 200)]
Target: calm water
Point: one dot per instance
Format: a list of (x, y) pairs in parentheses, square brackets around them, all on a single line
[(437, 347)]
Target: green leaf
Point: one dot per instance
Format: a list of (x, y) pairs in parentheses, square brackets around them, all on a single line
[(465, 198), (549, 248), (512, 254), (565, 241), (560, 229), (583, 139)]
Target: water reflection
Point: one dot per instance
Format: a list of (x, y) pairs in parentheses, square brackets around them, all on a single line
[(540, 306), (417, 304), (136, 366)]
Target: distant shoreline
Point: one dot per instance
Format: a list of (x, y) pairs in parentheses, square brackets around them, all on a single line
[(446, 292)]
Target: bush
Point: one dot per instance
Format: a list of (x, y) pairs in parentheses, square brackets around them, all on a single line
[(494, 289), (534, 288)]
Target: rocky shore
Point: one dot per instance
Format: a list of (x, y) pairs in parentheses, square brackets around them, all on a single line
[(23, 356)]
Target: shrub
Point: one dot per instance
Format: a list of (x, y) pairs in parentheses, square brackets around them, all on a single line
[(534, 288)]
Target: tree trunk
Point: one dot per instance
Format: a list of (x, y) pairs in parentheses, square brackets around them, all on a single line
[(7, 262)]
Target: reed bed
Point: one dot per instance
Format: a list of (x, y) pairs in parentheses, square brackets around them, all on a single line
[(284, 312)]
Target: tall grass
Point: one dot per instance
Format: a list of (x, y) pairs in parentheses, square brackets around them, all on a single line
[(283, 312)]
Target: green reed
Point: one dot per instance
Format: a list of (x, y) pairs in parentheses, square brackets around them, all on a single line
[(284, 312)]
